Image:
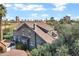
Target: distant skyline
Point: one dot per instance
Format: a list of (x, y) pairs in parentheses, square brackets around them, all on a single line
[(42, 10)]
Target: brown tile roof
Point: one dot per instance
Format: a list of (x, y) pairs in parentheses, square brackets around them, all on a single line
[(30, 24), (44, 25), (15, 52), (47, 38), (2, 42)]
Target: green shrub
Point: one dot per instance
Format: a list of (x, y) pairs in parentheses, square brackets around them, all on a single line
[(21, 46)]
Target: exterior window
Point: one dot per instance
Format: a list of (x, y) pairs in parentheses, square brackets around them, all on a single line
[(19, 38), (32, 44), (14, 38), (23, 41)]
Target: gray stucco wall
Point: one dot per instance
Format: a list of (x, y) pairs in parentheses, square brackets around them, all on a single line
[(26, 31), (39, 40)]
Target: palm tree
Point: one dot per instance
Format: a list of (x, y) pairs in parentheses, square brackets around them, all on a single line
[(2, 14)]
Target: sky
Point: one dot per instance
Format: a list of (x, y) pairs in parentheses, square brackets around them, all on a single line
[(41, 10)]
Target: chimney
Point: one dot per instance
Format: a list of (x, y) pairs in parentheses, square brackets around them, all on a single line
[(17, 19), (34, 26)]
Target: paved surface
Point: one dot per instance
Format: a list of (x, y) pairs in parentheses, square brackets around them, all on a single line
[(15, 52)]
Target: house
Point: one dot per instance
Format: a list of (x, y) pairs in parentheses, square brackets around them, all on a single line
[(3, 46), (33, 33)]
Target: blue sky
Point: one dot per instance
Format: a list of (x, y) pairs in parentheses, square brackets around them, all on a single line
[(42, 10)]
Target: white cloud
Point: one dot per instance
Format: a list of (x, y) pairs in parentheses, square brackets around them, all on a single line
[(9, 18), (77, 17), (69, 15), (38, 1), (56, 18), (44, 15), (59, 6), (33, 7), (19, 6), (34, 15), (8, 5)]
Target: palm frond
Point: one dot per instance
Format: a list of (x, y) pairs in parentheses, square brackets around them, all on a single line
[(3, 10)]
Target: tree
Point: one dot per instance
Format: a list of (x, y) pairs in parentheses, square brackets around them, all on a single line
[(74, 49), (2, 14), (70, 34), (52, 18), (62, 51), (21, 46), (52, 21), (66, 44), (34, 52), (43, 50), (61, 21)]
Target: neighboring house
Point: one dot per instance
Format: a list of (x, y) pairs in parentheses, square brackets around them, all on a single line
[(33, 33), (3, 46)]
